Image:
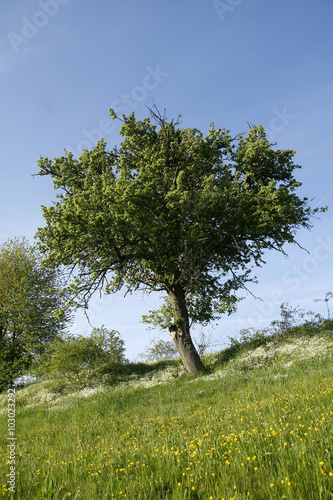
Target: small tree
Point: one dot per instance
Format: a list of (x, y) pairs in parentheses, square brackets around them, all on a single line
[(175, 212), (204, 340), (32, 308), (71, 355), (327, 298), (290, 318), (158, 350), (110, 343)]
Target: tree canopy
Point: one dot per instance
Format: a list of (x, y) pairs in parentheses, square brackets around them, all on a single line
[(172, 211), (32, 307)]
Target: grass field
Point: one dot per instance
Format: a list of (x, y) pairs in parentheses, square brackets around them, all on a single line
[(258, 425)]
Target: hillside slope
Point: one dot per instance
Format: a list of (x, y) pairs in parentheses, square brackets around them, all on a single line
[(257, 425)]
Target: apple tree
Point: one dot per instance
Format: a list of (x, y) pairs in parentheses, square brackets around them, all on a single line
[(172, 211)]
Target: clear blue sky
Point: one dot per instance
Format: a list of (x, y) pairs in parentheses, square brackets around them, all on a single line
[(64, 63)]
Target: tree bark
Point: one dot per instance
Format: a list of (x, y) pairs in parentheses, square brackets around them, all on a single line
[(180, 332)]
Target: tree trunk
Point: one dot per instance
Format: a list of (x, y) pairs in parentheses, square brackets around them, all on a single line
[(180, 332)]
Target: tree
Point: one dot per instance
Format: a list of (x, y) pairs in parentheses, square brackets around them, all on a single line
[(71, 355), (158, 350), (327, 298), (110, 343), (173, 212), (291, 317), (162, 319), (32, 308)]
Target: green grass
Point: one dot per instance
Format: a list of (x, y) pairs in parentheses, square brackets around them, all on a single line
[(258, 425)]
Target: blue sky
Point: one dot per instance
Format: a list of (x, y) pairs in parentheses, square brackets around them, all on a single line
[(64, 63)]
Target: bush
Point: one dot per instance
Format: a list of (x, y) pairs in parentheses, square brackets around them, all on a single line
[(72, 356), (58, 385)]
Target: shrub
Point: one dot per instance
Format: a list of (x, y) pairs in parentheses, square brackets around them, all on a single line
[(72, 356)]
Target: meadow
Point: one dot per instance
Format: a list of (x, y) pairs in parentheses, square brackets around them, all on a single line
[(257, 425)]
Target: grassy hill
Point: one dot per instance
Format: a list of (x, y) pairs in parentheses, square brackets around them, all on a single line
[(257, 425)]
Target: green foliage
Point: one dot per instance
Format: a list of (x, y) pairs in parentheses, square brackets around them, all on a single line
[(32, 308), (290, 318), (158, 350), (249, 338), (293, 323), (161, 318), (172, 209), (58, 385), (110, 343), (264, 433), (72, 356)]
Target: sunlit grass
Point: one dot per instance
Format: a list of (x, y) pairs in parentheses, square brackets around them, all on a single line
[(259, 426)]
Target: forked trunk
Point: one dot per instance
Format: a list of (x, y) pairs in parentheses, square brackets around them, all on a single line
[(180, 332)]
